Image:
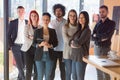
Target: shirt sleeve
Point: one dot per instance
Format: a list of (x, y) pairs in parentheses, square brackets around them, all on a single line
[(66, 37), (85, 35), (108, 34)]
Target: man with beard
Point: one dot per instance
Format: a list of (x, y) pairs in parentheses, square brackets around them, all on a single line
[(57, 24), (102, 35)]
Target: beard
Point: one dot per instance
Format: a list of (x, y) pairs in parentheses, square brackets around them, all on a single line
[(58, 15), (103, 16)]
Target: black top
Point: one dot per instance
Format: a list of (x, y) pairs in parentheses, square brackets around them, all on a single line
[(103, 32), (34, 27), (38, 37)]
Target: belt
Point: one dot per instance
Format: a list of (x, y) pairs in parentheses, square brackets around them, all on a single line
[(18, 44)]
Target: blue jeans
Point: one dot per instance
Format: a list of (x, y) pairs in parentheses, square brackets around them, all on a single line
[(68, 68), (100, 51), (44, 67), (78, 70)]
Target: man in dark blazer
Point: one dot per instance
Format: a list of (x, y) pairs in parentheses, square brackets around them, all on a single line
[(16, 39)]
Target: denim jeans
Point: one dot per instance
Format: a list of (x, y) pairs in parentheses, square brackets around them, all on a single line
[(100, 51), (44, 67), (78, 70), (68, 68)]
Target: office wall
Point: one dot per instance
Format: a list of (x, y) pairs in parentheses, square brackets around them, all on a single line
[(111, 4)]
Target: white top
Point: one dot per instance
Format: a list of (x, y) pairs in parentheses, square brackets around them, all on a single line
[(57, 25), (46, 38), (20, 33)]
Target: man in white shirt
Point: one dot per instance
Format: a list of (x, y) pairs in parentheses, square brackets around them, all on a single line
[(16, 39), (57, 24)]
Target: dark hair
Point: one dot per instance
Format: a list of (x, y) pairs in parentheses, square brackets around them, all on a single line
[(104, 6), (33, 11), (56, 6), (46, 14), (79, 30), (86, 15), (68, 20), (20, 7)]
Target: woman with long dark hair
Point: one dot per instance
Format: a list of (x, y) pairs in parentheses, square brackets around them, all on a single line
[(68, 30), (80, 46)]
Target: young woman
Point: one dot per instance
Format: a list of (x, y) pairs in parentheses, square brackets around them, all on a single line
[(45, 39), (27, 46), (68, 30), (80, 46)]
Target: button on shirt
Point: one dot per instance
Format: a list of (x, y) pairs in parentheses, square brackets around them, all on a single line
[(57, 25), (20, 33)]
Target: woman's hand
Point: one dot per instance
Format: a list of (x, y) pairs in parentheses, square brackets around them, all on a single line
[(48, 45), (42, 44), (45, 44), (30, 37), (72, 46)]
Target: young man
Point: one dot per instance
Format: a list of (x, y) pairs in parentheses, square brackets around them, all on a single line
[(102, 35), (16, 39), (57, 24)]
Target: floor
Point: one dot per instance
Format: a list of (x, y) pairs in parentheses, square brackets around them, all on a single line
[(90, 74)]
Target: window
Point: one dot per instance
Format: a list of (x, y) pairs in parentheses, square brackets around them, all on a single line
[(69, 4), (28, 4)]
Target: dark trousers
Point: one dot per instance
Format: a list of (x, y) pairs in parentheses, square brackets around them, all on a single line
[(58, 55), (30, 64), (19, 58)]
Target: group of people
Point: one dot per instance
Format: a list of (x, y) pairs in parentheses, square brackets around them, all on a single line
[(38, 47)]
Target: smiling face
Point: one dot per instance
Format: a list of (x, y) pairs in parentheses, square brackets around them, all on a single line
[(72, 17), (34, 17), (45, 20), (21, 12), (58, 13), (82, 19)]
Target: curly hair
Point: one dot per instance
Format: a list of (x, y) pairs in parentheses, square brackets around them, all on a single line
[(56, 6)]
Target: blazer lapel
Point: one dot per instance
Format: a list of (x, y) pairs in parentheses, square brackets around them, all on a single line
[(41, 34), (50, 35), (16, 25)]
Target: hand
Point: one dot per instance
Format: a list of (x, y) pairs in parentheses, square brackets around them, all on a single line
[(41, 44), (94, 35), (30, 37), (72, 46), (47, 45), (103, 39)]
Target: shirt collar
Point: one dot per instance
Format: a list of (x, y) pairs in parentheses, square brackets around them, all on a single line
[(21, 20), (61, 20), (104, 21)]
